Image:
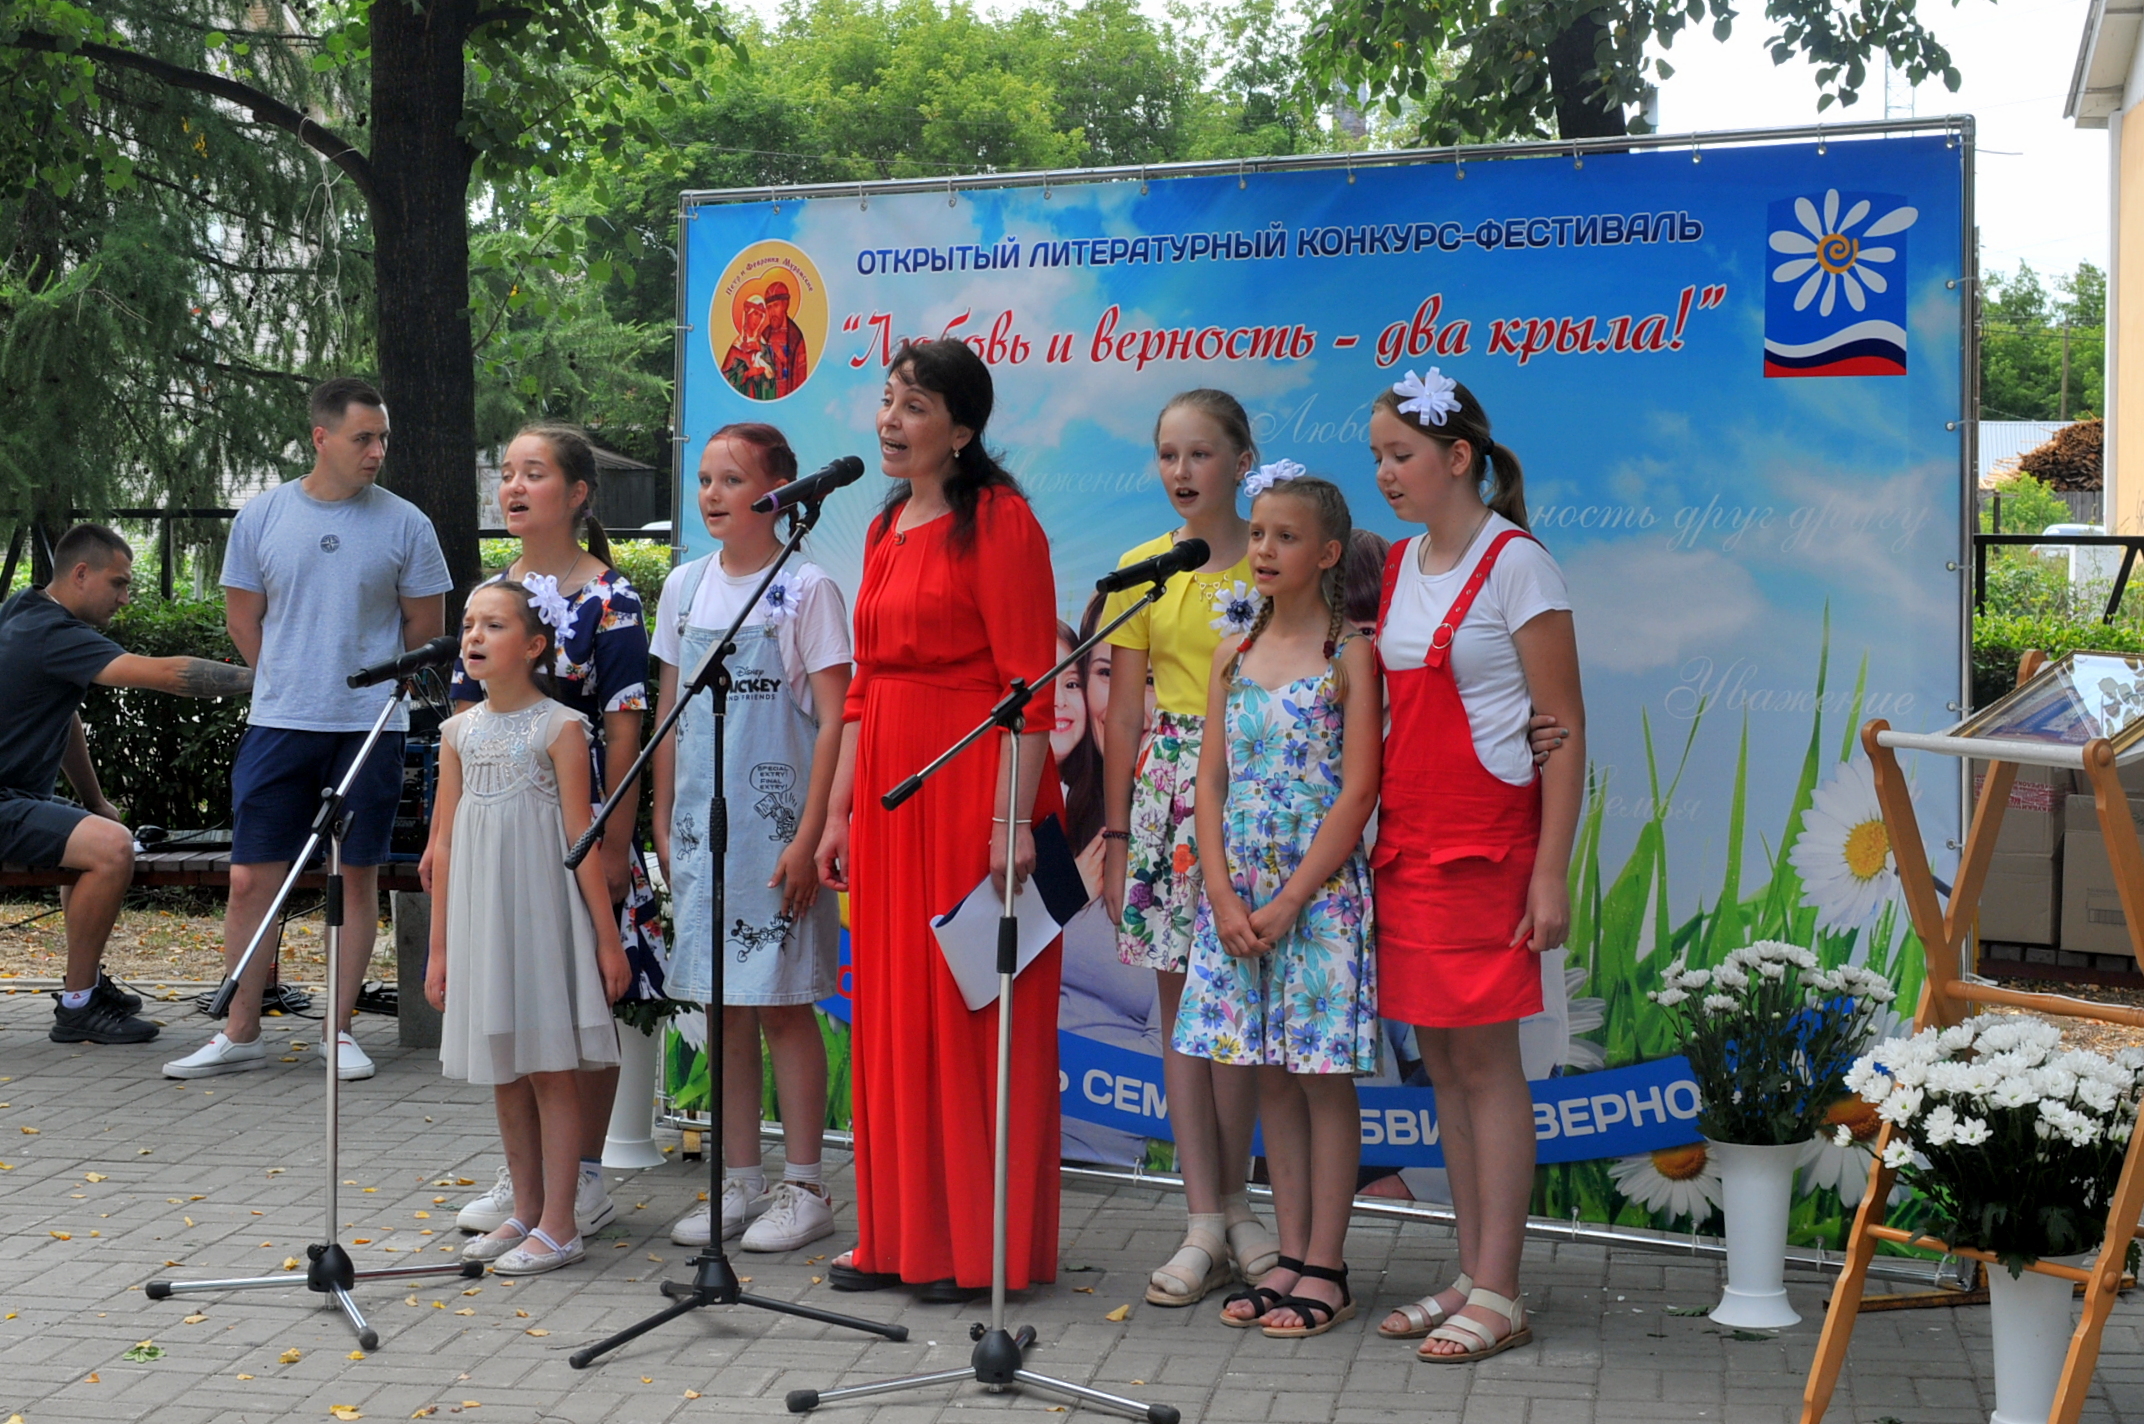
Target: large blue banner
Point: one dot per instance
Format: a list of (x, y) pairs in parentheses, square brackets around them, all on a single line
[(1734, 377)]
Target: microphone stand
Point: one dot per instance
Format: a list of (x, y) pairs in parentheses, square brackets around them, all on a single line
[(999, 1358), (331, 1273), (714, 1281)]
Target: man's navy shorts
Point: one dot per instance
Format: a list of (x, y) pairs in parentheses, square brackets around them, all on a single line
[(275, 793), (34, 829)]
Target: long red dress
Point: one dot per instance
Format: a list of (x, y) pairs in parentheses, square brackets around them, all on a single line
[(939, 634)]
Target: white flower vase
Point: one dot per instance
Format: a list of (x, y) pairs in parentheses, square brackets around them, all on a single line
[(1756, 1187), (2031, 1317), (630, 1140)]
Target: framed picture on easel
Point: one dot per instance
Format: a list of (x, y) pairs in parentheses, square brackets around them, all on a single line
[(2074, 699)]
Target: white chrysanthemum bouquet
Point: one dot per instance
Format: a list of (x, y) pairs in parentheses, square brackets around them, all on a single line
[(2014, 1142), (1770, 1034)]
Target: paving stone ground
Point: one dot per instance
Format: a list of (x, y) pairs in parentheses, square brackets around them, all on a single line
[(223, 1177)]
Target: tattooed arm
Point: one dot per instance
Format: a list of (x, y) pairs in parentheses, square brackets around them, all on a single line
[(187, 677)]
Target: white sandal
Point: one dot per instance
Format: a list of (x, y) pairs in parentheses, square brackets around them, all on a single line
[(1480, 1344), (1199, 1266), (1425, 1315), (1252, 1243), (491, 1246)]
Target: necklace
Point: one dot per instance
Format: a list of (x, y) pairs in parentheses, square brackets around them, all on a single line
[(1422, 560), (528, 567), (762, 567)]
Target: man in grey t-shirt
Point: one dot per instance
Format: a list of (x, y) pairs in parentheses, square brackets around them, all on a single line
[(323, 576)]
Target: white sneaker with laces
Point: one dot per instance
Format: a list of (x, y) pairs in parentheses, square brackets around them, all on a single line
[(219, 1055), (492, 1210), (691, 1228), (592, 1207), (795, 1216), (351, 1062)]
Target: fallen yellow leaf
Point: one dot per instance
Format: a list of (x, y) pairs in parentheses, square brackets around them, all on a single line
[(422, 1215), (195, 1319), (409, 1300), (536, 1332), (346, 1411), (245, 1377), (62, 1236), (93, 1176), (473, 1290), (692, 1394), (290, 1356), (465, 1310), (427, 1412), (187, 1219), (465, 1182), (290, 1263), (521, 1315), (357, 1354), (644, 1379), (1083, 1290), (29, 1132), (470, 1403), (1121, 1313), (92, 1378), (360, 1240)]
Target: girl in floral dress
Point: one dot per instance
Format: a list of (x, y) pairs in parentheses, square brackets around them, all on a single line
[(1150, 877), (1282, 990)]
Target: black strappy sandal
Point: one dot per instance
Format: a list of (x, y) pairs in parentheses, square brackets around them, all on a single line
[(1309, 1308), (1264, 1297)]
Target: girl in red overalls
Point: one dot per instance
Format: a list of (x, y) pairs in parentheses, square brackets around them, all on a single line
[(1473, 847)]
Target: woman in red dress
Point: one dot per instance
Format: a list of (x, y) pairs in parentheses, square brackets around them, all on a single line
[(957, 600)]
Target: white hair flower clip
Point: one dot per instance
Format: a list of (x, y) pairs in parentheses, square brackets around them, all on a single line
[(1266, 476), (1428, 398), (550, 604), (784, 598), (1236, 609)]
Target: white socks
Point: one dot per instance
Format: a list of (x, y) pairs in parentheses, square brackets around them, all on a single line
[(752, 1179)]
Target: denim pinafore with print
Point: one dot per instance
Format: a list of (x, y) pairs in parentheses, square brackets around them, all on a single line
[(769, 958)]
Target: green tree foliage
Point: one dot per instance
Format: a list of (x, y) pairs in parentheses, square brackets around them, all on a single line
[(1572, 68), (2024, 328)]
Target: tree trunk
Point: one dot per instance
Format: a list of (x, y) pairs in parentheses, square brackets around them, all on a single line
[(1579, 113), (421, 244)]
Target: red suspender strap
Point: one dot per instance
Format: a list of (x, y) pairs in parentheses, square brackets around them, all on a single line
[(1394, 562), (1440, 642)]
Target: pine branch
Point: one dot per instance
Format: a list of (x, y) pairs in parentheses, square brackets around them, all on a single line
[(264, 107)]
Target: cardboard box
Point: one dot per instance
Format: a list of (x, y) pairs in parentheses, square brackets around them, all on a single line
[(2022, 901), (2092, 918), (2080, 812), (2032, 818)]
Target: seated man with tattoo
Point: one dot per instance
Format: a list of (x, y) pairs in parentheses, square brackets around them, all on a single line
[(52, 647)]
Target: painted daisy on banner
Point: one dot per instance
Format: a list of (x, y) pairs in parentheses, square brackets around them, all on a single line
[(1830, 259), (1844, 851), (1235, 608), (1677, 1180), (1824, 1163)]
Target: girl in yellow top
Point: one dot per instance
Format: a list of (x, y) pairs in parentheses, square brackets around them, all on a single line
[(1203, 450)]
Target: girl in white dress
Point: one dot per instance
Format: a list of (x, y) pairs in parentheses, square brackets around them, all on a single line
[(522, 971)]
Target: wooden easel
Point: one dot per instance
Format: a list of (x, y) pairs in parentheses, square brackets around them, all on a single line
[(1946, 998)]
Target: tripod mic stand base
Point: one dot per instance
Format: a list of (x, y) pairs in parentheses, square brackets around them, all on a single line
[(331, 1274), (714, 1282), (998, 1364)]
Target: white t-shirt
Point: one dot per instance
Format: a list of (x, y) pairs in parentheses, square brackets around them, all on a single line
[(815, 639), (1485, 661)]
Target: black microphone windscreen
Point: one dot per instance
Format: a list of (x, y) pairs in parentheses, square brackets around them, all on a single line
[(1194, 551)]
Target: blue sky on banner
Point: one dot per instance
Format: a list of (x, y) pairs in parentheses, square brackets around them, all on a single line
[(1707, 515)]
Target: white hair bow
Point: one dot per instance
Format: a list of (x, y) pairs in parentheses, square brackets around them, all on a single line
[(1266, 476), (550, 604), (1427, 398)]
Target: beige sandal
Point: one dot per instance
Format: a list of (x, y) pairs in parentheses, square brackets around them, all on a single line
[(1199, 1267), (1480, 1344), (1250, 1241), (1425, 1315)]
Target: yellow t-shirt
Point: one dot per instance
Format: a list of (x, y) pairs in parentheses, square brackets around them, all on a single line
[(1178, 633)]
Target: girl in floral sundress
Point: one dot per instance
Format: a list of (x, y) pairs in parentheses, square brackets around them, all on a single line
[(1150, 878), (1282, 989)]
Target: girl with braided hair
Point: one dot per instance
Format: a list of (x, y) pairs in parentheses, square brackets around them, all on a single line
[(1282, 987)]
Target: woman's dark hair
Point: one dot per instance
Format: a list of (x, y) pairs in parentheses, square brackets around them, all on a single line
[(525, 604), (1493, 463), (1365, 579), (1081, 768), (952, 371), (576, 456), (776, 460)]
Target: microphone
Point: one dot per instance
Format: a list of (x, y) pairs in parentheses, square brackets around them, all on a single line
[(812, 488), (1187, 554), (437, 653)]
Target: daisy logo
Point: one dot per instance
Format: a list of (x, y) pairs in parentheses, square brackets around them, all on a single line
[(1835, 300)]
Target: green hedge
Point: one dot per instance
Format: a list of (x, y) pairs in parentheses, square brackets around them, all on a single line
[(2000, 639), (165, 760)]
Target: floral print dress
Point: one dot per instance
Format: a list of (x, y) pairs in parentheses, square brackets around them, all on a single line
[(1309, 1006)]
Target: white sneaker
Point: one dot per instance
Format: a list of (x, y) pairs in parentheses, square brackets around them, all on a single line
[(219, 1055), (795, 1216), (492, 1210), (351, 1062), (691, 1228), (592, 1207)]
